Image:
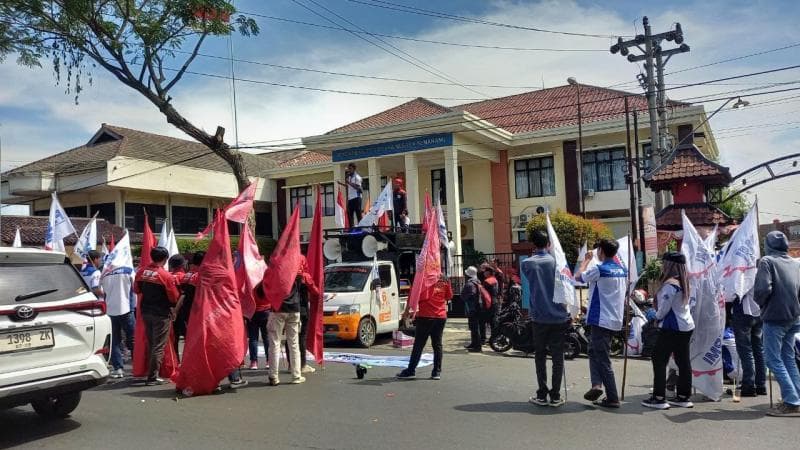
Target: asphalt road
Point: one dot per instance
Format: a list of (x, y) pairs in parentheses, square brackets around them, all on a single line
[(481, 402)]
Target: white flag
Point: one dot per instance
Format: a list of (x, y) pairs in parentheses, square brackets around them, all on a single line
[(172, 244), (163, 239), (738, 265), (382, 204), (120, 260), (88, 239), (711, 239), (626, 256), (443, 238), (58, 227), (709, 319), (564, 291), (581, 256), (17, 239)]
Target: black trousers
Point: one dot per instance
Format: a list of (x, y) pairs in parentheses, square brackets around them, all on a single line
[(486, 318), (549, 335), (674, 343), (427, 327), (474, 330), (354, 211)]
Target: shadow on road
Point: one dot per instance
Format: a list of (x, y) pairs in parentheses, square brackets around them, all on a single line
[(718, 414), (19, 426)]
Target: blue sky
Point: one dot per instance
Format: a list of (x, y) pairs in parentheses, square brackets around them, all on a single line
[(38, 119)]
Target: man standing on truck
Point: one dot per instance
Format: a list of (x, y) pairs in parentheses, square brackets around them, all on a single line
[(550, 320), (354, 192), (400, 204), (430, 321)]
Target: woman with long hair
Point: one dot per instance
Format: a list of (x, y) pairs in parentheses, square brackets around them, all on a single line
[(675, 331)]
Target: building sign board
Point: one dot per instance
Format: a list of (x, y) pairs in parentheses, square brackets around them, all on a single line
[(394, 147)]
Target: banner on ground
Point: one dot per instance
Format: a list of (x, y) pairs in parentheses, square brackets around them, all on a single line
[(376, 360)]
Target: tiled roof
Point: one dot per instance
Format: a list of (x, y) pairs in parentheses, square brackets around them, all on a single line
[(521, 113), (114, 141), (305, 159), (33, 228), (701, 214), (687, 162), (415, 109)]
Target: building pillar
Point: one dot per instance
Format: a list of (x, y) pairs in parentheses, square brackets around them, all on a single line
[(572, 185), (119, 208), (501, 204), (412, 188), (453, 199), (374, 168), (168, 208)]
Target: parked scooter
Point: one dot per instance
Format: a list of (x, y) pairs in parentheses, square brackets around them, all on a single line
[(513, 330)]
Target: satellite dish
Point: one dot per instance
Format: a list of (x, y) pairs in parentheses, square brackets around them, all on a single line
[(371, 246), (332, 249)]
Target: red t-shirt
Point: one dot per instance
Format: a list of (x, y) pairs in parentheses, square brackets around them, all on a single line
[(434, 305)]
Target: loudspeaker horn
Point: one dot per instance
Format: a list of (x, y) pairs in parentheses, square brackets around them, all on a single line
[(371, 246), (332, 249)]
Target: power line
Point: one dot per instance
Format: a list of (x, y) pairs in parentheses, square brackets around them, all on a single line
[(426, 41), (441, 15)]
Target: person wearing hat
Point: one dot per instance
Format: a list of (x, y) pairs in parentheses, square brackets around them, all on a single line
[(471, 296), (675, 331)]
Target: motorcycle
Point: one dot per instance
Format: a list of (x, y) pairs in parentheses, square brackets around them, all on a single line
[(513, 330)]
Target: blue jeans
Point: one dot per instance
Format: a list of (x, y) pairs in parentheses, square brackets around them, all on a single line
[(750, 347), (118, 325), (257, 324), (600, 369), (779, 354)]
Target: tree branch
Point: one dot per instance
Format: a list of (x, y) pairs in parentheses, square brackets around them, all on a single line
[(186, 64)]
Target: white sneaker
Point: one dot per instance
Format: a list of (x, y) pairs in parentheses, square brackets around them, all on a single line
[(308, 369), (299, 380), (117, 373)]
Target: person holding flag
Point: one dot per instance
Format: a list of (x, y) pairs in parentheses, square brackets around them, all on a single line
[(92, 271), (676, 325), (608, 282), (158, 292), (117, 282), (550, 319)]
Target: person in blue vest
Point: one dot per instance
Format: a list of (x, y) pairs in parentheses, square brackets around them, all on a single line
[(607, 286)]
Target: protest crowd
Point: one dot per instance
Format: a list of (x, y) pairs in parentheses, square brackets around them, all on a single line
[(222, 306)]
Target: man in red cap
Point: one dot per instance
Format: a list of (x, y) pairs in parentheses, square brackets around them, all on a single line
[(399, 204)]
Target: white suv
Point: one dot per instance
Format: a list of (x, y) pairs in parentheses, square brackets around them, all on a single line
[(54, 335)]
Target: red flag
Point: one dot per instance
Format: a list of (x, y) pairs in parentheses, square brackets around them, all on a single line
[(148, 242), (249, 268), (215, 346), (316, 333), (383, 222), (342, 221), (239, 209), (428, 207), (429, 263), (112, 243), (284, 263)]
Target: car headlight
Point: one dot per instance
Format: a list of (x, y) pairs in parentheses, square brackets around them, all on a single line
[(348, 309)]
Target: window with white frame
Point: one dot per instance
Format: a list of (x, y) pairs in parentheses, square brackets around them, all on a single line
[(604, 170), (534, 177)]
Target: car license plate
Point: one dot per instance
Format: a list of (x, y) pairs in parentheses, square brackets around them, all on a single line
[(22, 340)]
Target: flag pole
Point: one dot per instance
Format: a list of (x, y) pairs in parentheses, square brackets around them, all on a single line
[(625, 324)]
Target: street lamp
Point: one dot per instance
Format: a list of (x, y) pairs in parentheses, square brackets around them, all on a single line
[(573, 82)]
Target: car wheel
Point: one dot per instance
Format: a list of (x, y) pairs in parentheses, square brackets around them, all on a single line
[(500, 343), (366, 332), (58, 406)]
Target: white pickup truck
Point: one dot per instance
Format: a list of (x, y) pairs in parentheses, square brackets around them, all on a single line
[(354, 310)]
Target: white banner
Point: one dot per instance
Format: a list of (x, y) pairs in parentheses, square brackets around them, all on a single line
[(120, 259), (738, 265), (88, 239), (707, 312), (382, 204), (564, 290), (58, 226)]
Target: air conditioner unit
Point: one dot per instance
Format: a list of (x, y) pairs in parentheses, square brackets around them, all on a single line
[(522, 219), (588, 193)]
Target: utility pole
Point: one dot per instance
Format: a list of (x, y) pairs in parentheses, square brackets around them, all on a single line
[(655, 59)]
